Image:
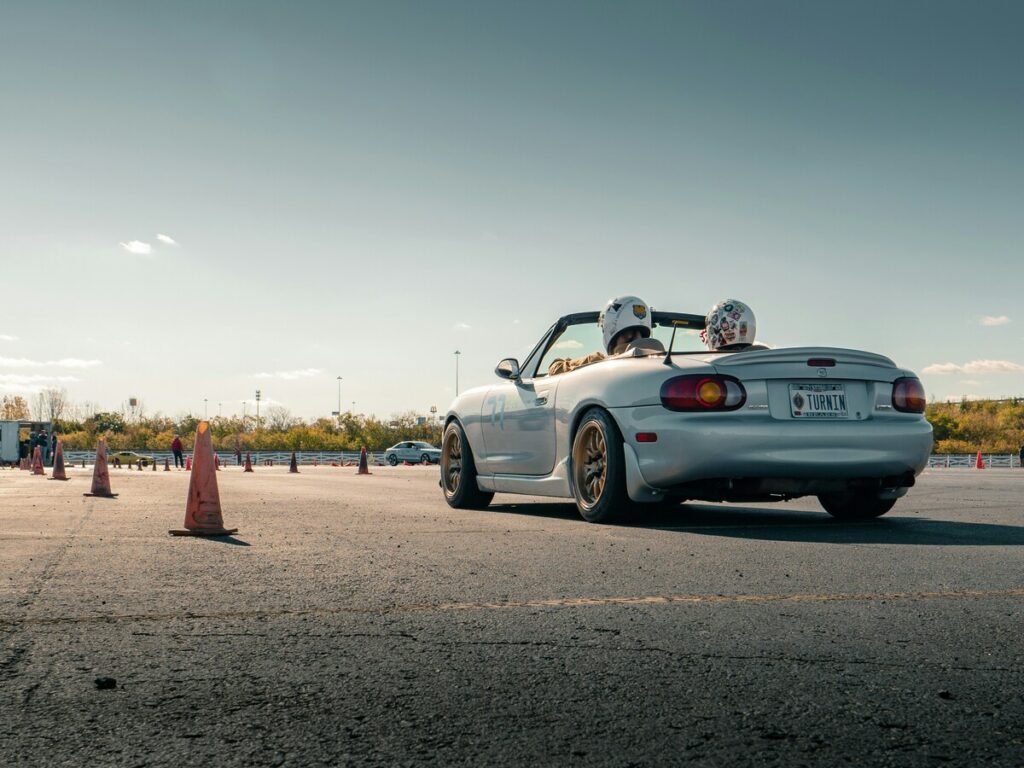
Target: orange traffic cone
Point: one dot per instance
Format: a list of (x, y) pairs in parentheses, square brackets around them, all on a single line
[(58, 463), (167, 464), (363, 468), (248, 462), (100, 474), (202, 508), (188, 463), (294, 468), (37, 462), (979, 463)]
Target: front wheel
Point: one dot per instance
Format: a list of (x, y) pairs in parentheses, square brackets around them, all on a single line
[(458, 471), (425, 458), (599, 471), (855, 505), (392, 459)]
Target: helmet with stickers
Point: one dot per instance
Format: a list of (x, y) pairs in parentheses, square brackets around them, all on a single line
[(622, 313), (730, 325)]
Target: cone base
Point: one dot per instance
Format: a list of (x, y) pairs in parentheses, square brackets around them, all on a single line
[(205, 532), (102, 495), (60, 478)]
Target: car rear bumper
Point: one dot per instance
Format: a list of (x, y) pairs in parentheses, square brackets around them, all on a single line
[(730, 446)]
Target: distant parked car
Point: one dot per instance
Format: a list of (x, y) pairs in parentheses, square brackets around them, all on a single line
[(129, 458), (412, 451)]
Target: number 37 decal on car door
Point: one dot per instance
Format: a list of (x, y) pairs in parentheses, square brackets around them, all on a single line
[(497, 410)]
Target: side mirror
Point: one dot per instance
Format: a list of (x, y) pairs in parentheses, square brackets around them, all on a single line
[(508, 369)]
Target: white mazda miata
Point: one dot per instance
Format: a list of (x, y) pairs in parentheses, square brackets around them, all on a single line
[(650, 425)]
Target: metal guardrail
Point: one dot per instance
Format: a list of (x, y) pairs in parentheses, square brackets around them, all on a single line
[(228, 458), (968, 460)]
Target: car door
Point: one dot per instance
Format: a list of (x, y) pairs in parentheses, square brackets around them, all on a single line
[(518, 425)]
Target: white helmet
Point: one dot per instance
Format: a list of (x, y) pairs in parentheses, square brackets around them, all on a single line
[(730, 325), (621, 313)]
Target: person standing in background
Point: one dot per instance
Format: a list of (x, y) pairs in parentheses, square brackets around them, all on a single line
[(179, 461)]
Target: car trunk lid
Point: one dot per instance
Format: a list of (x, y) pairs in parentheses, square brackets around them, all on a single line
[(813, 383)]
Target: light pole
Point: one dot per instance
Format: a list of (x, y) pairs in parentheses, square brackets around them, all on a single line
[(205, 413), (433, 413), (243, 415), (257, 410), (219, 414), (457, 353), (338, 412)]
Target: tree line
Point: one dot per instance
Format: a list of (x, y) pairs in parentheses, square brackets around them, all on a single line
[(278, 430)]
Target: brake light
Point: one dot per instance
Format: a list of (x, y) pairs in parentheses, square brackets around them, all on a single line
[(821, 362), (908, 395), (703, 393)]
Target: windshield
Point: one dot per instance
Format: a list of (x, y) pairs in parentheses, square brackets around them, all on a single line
[(582, 339)]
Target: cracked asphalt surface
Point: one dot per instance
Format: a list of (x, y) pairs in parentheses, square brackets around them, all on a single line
[(360, 621)]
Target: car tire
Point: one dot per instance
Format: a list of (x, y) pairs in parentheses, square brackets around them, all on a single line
[(458, 471), (599, 470), (855, 505), (425, 458), (392, 460)]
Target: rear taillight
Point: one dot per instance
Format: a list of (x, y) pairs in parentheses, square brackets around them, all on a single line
[(908, 395), (703, 393)]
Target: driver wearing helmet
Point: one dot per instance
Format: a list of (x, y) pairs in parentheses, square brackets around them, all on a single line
[(623, 320), (730, 327)]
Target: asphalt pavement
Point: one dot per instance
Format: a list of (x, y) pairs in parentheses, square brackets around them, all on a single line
[(360, 621)]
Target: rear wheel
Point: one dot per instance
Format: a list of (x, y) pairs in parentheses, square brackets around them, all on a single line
[(855, 505), (598, 470), (458, 471), (392, 459), (425, 458)]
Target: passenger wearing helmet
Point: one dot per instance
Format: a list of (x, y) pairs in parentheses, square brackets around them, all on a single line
[(623, 320), (730, 327)]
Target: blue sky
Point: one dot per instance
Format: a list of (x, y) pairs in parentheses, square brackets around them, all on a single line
[(359, 189)]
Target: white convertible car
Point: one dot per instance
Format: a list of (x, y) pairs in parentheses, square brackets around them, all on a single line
[(652, 426)]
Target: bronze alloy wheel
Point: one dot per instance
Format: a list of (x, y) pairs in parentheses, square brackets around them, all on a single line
[(451, 462), (590, 463)]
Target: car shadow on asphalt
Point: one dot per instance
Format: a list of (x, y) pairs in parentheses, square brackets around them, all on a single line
[(794, 526)]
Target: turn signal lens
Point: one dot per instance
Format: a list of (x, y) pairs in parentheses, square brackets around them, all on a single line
[(908, 395), (703, 393), (647, 437)]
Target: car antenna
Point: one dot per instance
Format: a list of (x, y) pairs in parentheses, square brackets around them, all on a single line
[(672, 341)]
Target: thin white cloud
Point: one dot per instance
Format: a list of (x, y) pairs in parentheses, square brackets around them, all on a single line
[(166, 239), (137, 247), (301, 373), (568, 344), (66, 362), (975, 366), (264, 402), (7, 337), (462, 326), (990, 321), (19, 378), (16, 383)]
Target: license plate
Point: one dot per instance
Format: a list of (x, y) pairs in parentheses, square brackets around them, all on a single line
[(817, 401)]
